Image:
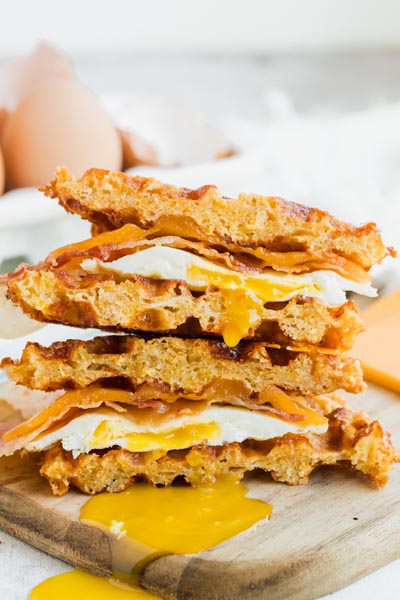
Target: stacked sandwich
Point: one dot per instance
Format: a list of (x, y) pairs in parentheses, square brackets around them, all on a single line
[(230, 324)]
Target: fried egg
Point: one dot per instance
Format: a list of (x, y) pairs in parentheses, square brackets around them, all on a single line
[(133, 430), (162, 262)]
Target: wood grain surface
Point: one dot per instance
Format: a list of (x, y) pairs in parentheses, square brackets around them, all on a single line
[(321, 537)]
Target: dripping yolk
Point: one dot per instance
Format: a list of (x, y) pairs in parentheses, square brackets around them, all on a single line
[(168, 520), (245, 297), (177, 519), (241, 310)]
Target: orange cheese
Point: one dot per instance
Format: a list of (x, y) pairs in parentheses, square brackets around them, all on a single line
[(125, 234), (379, 309), (377, 347), (281, 401)]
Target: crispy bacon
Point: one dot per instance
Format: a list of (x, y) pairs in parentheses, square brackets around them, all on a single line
[(129, 239), (269, 409), (7, 277)]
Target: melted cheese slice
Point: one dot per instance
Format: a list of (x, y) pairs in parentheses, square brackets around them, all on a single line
[(214, 425), (245, 294)]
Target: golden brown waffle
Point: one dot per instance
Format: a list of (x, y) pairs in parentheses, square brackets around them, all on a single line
[(353, 439), (184, 367), (111, 199), (104, 301)]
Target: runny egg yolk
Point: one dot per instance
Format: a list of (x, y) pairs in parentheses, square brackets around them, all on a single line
[(144, 522), (267, 291), (175, 519), (241, 310), (245, 297), (172, 439), (244, 293), (80, 585)]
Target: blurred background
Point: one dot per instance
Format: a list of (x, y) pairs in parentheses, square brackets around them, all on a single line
[(297, 99)]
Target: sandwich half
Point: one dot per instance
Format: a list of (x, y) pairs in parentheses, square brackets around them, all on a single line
[(283, 282), (167, 408), (274, 232)]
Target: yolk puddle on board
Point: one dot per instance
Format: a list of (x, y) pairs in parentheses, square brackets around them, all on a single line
[(80, 585), (145, 522), (175, 519)]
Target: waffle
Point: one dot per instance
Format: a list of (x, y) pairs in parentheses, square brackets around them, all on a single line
[(137, 304), (111, 199), (352, 440), (190, 368)]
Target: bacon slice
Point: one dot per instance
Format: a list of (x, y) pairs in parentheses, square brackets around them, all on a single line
[(129, 239)]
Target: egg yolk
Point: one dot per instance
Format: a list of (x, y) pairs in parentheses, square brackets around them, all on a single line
[(267, 291), (245, 297), (80, 585), (144, 522), (176, 519), (172, 439)]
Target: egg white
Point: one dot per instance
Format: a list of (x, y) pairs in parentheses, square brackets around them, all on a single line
[(235, 425), (163, 262)]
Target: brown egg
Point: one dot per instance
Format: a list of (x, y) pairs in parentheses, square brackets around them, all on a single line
[(2, 178), (59, 123)]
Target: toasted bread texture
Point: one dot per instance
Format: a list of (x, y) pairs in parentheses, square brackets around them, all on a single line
[(77, 298), (183, 367), (353, 439), (112, 199)]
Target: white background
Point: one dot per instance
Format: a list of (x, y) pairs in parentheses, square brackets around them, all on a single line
[(236, 26)]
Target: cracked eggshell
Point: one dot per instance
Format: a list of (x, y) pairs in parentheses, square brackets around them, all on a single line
[(136, 151), (18, 77), (59, 123), (179, 135)]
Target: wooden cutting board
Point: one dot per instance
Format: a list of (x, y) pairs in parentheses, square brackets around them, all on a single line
[(320, 538)]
